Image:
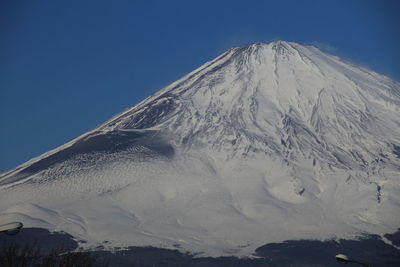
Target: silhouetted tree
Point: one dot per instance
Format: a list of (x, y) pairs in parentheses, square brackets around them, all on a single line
[(12, 255)]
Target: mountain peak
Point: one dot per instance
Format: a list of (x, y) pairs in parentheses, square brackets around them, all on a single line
[(273, 43), (259, 48), (279, 139), (278, 46), (259, 94)]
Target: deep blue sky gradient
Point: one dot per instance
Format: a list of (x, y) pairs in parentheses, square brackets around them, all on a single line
[(67, 66)]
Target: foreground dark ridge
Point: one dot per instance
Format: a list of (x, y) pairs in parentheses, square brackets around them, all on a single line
[(289, 253)]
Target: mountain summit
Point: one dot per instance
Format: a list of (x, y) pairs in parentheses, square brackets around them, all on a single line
[(266, 142)]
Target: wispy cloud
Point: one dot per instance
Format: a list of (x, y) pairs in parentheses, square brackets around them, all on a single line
[(324, 46)]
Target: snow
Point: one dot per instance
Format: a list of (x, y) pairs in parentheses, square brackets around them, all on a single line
[(265, 143)]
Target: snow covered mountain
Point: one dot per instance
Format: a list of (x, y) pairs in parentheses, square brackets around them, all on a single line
[(267, 142)]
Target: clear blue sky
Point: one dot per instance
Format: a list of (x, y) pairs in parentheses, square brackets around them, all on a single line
[(66, 66)]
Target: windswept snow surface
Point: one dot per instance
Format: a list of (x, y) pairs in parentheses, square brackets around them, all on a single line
[(265, 143)]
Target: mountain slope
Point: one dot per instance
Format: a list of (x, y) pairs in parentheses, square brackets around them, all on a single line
[(266, 142)]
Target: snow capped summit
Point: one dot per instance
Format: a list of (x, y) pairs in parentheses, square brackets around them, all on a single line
[(271, 96), (264, 143)]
